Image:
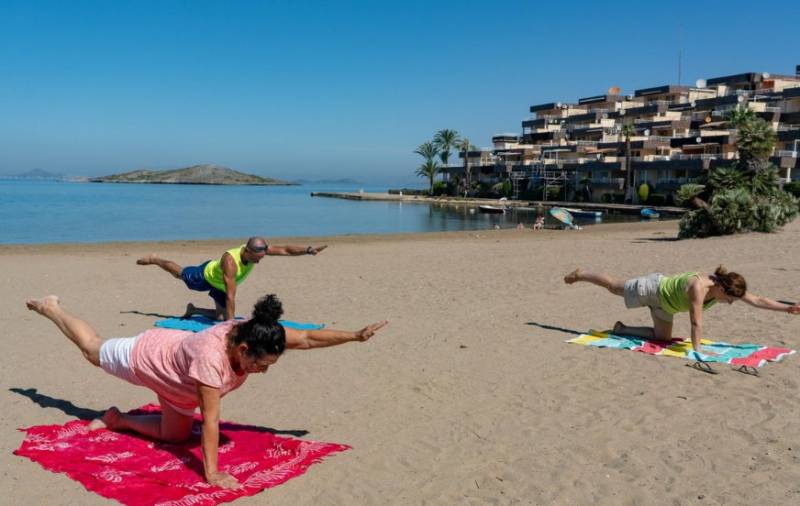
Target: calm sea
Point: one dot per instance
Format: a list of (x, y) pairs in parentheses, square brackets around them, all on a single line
[(54, 212)]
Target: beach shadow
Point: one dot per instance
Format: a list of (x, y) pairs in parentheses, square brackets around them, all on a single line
[(552, 327), (640, 240), (87, 414), (155, 315), (67, 407)]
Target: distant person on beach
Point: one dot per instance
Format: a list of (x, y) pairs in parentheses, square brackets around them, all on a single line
[(220, 277), (667, 295), (539, 223), (188, 370)]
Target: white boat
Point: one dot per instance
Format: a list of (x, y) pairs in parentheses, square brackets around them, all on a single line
[(585, 213), (492, 209)]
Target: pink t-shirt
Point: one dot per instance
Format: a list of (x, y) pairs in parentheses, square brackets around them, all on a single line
[(172, 362)]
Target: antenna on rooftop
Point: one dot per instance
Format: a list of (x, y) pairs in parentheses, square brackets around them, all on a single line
[(614, 90)]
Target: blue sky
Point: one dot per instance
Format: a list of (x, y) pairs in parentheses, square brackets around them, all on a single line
[(336, 89)]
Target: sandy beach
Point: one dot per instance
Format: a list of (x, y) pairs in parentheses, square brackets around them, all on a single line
[(470, 395)]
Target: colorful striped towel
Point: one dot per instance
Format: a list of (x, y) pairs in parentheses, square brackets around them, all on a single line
[(196, 323), (750, 355)]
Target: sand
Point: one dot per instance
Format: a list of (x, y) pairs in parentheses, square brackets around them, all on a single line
[(470, 395)]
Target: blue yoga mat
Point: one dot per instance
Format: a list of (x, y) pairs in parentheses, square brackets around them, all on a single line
[(196, 323)]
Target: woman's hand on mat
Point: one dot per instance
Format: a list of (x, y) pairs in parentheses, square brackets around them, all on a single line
[(223, 480), (794, 309), (369, 331)]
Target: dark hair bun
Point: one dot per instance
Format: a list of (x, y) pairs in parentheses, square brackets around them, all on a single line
[(268, 309)]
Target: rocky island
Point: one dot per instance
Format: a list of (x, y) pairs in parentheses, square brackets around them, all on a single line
[(196, 174)]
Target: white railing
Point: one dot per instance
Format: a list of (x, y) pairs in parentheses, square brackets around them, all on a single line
[(682, 156), (792, 154)]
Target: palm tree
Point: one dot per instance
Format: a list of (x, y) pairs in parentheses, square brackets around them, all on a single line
[(429, 169), (427, 150), (627, 130), (445, 140), (464, 146)]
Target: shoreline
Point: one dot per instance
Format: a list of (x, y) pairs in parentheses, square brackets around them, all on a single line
[(600, 228)]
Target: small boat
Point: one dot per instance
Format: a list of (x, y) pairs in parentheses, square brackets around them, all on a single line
[(492, 209), (562, 215), (649, 213), (585, 213)]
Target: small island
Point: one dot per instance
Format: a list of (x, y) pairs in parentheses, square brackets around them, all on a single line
[(196, 174)]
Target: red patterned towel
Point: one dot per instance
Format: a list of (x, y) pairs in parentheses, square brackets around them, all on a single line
[(137, 471)]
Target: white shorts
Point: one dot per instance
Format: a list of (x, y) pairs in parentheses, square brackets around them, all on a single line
[(643, 291), (115, 358)]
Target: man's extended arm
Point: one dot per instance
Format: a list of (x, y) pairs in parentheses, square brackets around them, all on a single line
[(294, 250)]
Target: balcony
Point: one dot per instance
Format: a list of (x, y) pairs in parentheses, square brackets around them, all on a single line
[(682, 156)]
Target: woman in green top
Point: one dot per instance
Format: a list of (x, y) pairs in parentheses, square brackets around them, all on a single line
[(667, 295)]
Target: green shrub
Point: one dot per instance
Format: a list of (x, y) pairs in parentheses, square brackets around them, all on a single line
[(793, 188), (439, 188)]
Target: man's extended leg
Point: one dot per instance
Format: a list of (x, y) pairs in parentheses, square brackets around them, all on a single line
[(167, 265), (211, 314), (610, 283), (77, 330)]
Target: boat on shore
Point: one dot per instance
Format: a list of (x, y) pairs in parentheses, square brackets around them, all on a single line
[(585, 213), (562, 215), (649, 213), (492, 209)]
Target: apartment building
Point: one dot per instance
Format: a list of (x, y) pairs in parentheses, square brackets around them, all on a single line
[(677, 133)]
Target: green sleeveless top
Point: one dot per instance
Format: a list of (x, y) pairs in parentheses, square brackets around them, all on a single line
[(674, 296), (213, 270)]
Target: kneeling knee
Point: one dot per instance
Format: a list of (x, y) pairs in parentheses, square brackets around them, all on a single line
[(176, 438)]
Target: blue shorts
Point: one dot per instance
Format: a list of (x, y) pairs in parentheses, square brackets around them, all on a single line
[(196, 280)]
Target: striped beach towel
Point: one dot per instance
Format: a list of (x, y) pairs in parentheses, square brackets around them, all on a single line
[(750, 355)]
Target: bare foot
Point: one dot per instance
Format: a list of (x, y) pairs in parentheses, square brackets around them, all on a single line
[(618, 327), (149, 259), (43, 304), (573, 276), (109, 421), (190, 310)]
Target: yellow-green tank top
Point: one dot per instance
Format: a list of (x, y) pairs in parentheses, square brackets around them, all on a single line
[(674, 296), (213, 270)]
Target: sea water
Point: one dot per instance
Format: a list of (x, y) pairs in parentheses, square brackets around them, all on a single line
[(59, 212)]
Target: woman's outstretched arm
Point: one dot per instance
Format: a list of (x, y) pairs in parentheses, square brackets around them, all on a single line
[(773, 305), (308, 339), (209, 408)]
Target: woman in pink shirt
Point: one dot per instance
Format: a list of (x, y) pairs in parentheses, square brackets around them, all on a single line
[(188, 370)]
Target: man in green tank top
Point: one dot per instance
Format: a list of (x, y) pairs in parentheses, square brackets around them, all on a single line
[(221, 277)]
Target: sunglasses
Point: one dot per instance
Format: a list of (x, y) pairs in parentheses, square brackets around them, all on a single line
[(259, 249)]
